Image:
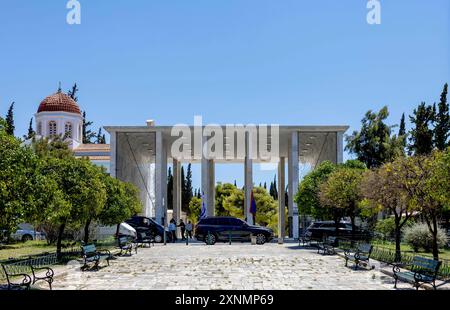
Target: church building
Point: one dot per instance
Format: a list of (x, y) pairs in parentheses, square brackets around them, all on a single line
[(59, 114)]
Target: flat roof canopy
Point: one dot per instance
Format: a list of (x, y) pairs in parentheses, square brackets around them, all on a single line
[(316, 143)]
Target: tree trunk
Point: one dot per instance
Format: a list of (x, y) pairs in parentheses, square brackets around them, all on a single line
[(86, 231), (398, 236), (352, 219), (59, 240), (435, 243)]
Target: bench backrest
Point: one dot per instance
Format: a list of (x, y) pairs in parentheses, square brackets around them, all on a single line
[(365, 248), (123, 241), (89, 249), (425, 265)]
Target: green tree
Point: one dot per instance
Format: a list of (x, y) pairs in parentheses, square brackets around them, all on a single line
[(88, 134), (373, 144), (187, 192), (95, 194), (383, 189), (31, 133), (72, 93), (170, 189), (195, 207), (223, 191), (341, 193), (101, 139), (442, 122), (122, 201), (10, 120), (18, 166), (428, 190), (421, 135), (307, 197)]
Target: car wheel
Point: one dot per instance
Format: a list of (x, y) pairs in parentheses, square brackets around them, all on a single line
[(260, 239), (158, 239), (210, 239), (27, 238)]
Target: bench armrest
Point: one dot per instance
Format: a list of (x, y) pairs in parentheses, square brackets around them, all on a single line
[(397, 266), (26, 281), (49, 274), (104, 252)]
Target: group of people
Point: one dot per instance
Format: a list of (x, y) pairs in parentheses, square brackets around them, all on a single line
[(186, 230)]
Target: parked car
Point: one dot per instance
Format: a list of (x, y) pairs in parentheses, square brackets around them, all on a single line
[(27, 235), (320, 229), (222, 228), (149, 227)]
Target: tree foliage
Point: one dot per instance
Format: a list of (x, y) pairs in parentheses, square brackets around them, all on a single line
[(373, 144)]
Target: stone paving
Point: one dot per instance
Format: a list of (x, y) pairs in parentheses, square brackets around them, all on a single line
[(222, 266)]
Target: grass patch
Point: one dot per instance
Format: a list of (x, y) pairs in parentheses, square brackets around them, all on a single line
[(35, 247), (443, 253), (25, 249)]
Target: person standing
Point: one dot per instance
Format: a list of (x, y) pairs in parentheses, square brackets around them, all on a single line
[(189, 228), (173, 230), (183, 229)]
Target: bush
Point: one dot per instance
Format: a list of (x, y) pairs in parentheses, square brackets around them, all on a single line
[(386, 227), (418, 237)]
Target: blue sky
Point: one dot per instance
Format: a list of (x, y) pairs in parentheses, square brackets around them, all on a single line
[(240, 61)]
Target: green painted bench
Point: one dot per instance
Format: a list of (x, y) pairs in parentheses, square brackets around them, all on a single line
[(92, 255), (125, 245), (327, 246), (21, 280), (360, 256), (421, 270)]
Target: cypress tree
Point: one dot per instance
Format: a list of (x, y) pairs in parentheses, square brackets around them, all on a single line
[(88, 134), (421, 135), (170, 190), (10, 120), (73, 92), (31, 133), (442, 122), (188, 193)]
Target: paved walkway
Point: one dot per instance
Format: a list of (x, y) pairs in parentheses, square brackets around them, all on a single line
[(223, 266)]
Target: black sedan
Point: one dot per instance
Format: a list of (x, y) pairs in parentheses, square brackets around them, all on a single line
[(147, 227), (221, 228)]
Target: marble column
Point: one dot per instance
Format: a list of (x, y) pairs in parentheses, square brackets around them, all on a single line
[(293, 178), (176, 192), (248, 179), (281, 203), (161, 180)]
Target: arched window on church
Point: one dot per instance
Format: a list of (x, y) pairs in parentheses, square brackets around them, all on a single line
[(68, 130), (52, 128), (39, 129)]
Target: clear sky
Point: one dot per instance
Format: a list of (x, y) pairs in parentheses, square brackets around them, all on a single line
[(231, 61)]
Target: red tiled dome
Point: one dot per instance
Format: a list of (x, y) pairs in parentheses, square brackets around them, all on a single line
[(59, 102)]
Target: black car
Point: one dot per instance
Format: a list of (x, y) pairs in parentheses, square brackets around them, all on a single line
[(148, 227), (320, 229), (223, 228)]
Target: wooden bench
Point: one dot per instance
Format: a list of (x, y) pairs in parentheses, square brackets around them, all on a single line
[(420, 270), (360, 256), (125, 245), (22, 280), (327, 246), (92, 255), (144, 240)]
